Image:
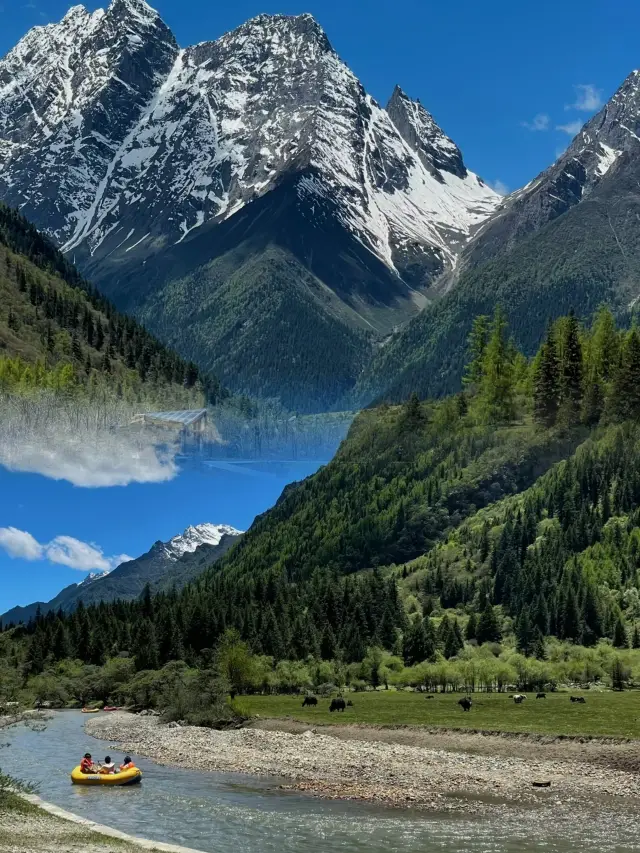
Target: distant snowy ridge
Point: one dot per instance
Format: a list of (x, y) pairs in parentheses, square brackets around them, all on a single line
[(113, 138), (200, 534)]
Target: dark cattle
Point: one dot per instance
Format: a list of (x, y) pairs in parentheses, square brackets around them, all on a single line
[(519, 698), (309, 700), (349, 704), (579, 699), (541, 695), (465, 704), (337, 705), (430, 697)]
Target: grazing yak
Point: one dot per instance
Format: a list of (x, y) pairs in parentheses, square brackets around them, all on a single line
[(349, 703), (430, 696), (309, 700), (337, 705), (541, 695), (465, 703), (519, 698), (579, 699)]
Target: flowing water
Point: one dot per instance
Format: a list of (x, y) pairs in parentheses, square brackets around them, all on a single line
[(216, 811)]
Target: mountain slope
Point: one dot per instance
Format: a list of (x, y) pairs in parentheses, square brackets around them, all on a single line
[(567, 240), (52, 318), (166, 565), (365, 205)]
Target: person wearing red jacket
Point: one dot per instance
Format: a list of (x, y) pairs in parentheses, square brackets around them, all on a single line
[(87, 765)]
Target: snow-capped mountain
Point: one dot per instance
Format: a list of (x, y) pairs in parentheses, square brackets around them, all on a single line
[(193, 537), (149, 163), (166, 565), (113, 136), (606, 141), (93, 576)]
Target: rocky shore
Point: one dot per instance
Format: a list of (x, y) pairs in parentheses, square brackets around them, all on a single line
[(375, 767)]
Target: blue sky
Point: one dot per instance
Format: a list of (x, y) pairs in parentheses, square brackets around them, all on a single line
[(48, 526), (486, 70)]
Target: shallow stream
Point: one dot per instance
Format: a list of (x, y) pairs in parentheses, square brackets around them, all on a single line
[(241, 814)]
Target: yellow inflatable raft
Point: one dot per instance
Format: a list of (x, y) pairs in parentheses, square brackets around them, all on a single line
[(91, 710), (124, 777)]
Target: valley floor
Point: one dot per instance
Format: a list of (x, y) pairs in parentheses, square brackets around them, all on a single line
[(442, 771)]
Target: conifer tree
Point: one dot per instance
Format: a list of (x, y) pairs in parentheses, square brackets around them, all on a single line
[(620, 639), (525, 634), (624, 401), (571, 390), (546, 383), (496, 395), (539, 648), (488, 630), (605, 344), (472, 627), (477, 345)]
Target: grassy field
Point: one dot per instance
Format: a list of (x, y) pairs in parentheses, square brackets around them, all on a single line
[(603, 714)]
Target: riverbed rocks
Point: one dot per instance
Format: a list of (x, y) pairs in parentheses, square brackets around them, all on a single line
[(366, 768)]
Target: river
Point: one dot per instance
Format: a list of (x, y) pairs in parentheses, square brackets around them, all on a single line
[(214, 811)]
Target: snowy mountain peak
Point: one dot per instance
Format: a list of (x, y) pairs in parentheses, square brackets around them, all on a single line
[(200, 534), (421, 132), (93, 576), (121, 145)]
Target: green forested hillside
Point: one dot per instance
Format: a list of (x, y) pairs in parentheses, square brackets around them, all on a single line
[(497, 529), (588, 256), (57, 332)]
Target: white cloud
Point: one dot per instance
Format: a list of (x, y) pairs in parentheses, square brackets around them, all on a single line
[(62, 550), (19, 543), (499, 186), (571, 127), (67, 551), (74, 445), (540, 122), (588, 98)]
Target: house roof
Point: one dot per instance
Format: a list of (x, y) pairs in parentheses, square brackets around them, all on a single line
[(184, 418)]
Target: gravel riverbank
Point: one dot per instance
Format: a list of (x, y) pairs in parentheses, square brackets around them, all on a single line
[(368, 764)]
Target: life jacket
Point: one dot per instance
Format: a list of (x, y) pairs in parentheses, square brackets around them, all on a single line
[(86, 765), (128, 766)]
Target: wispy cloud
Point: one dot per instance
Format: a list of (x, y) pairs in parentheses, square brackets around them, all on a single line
[(62, 550), (499, 186), (20, 544), (588, 98), (571, 127), (541, 121)]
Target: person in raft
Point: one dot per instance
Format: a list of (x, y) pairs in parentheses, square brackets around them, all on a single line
[(127, 764), (87, 765), (108, 765)]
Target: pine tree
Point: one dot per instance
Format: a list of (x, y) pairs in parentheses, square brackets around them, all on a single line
[(496, 396), (635, 637), (525, 634), (477, 344), (605, 344), (593, 403), (539, 648), (571, 622), (570, 373), (620, 639), (414, 646), (546, 383), (472, 627), (145, 645), (488, 630), (624, 400)]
